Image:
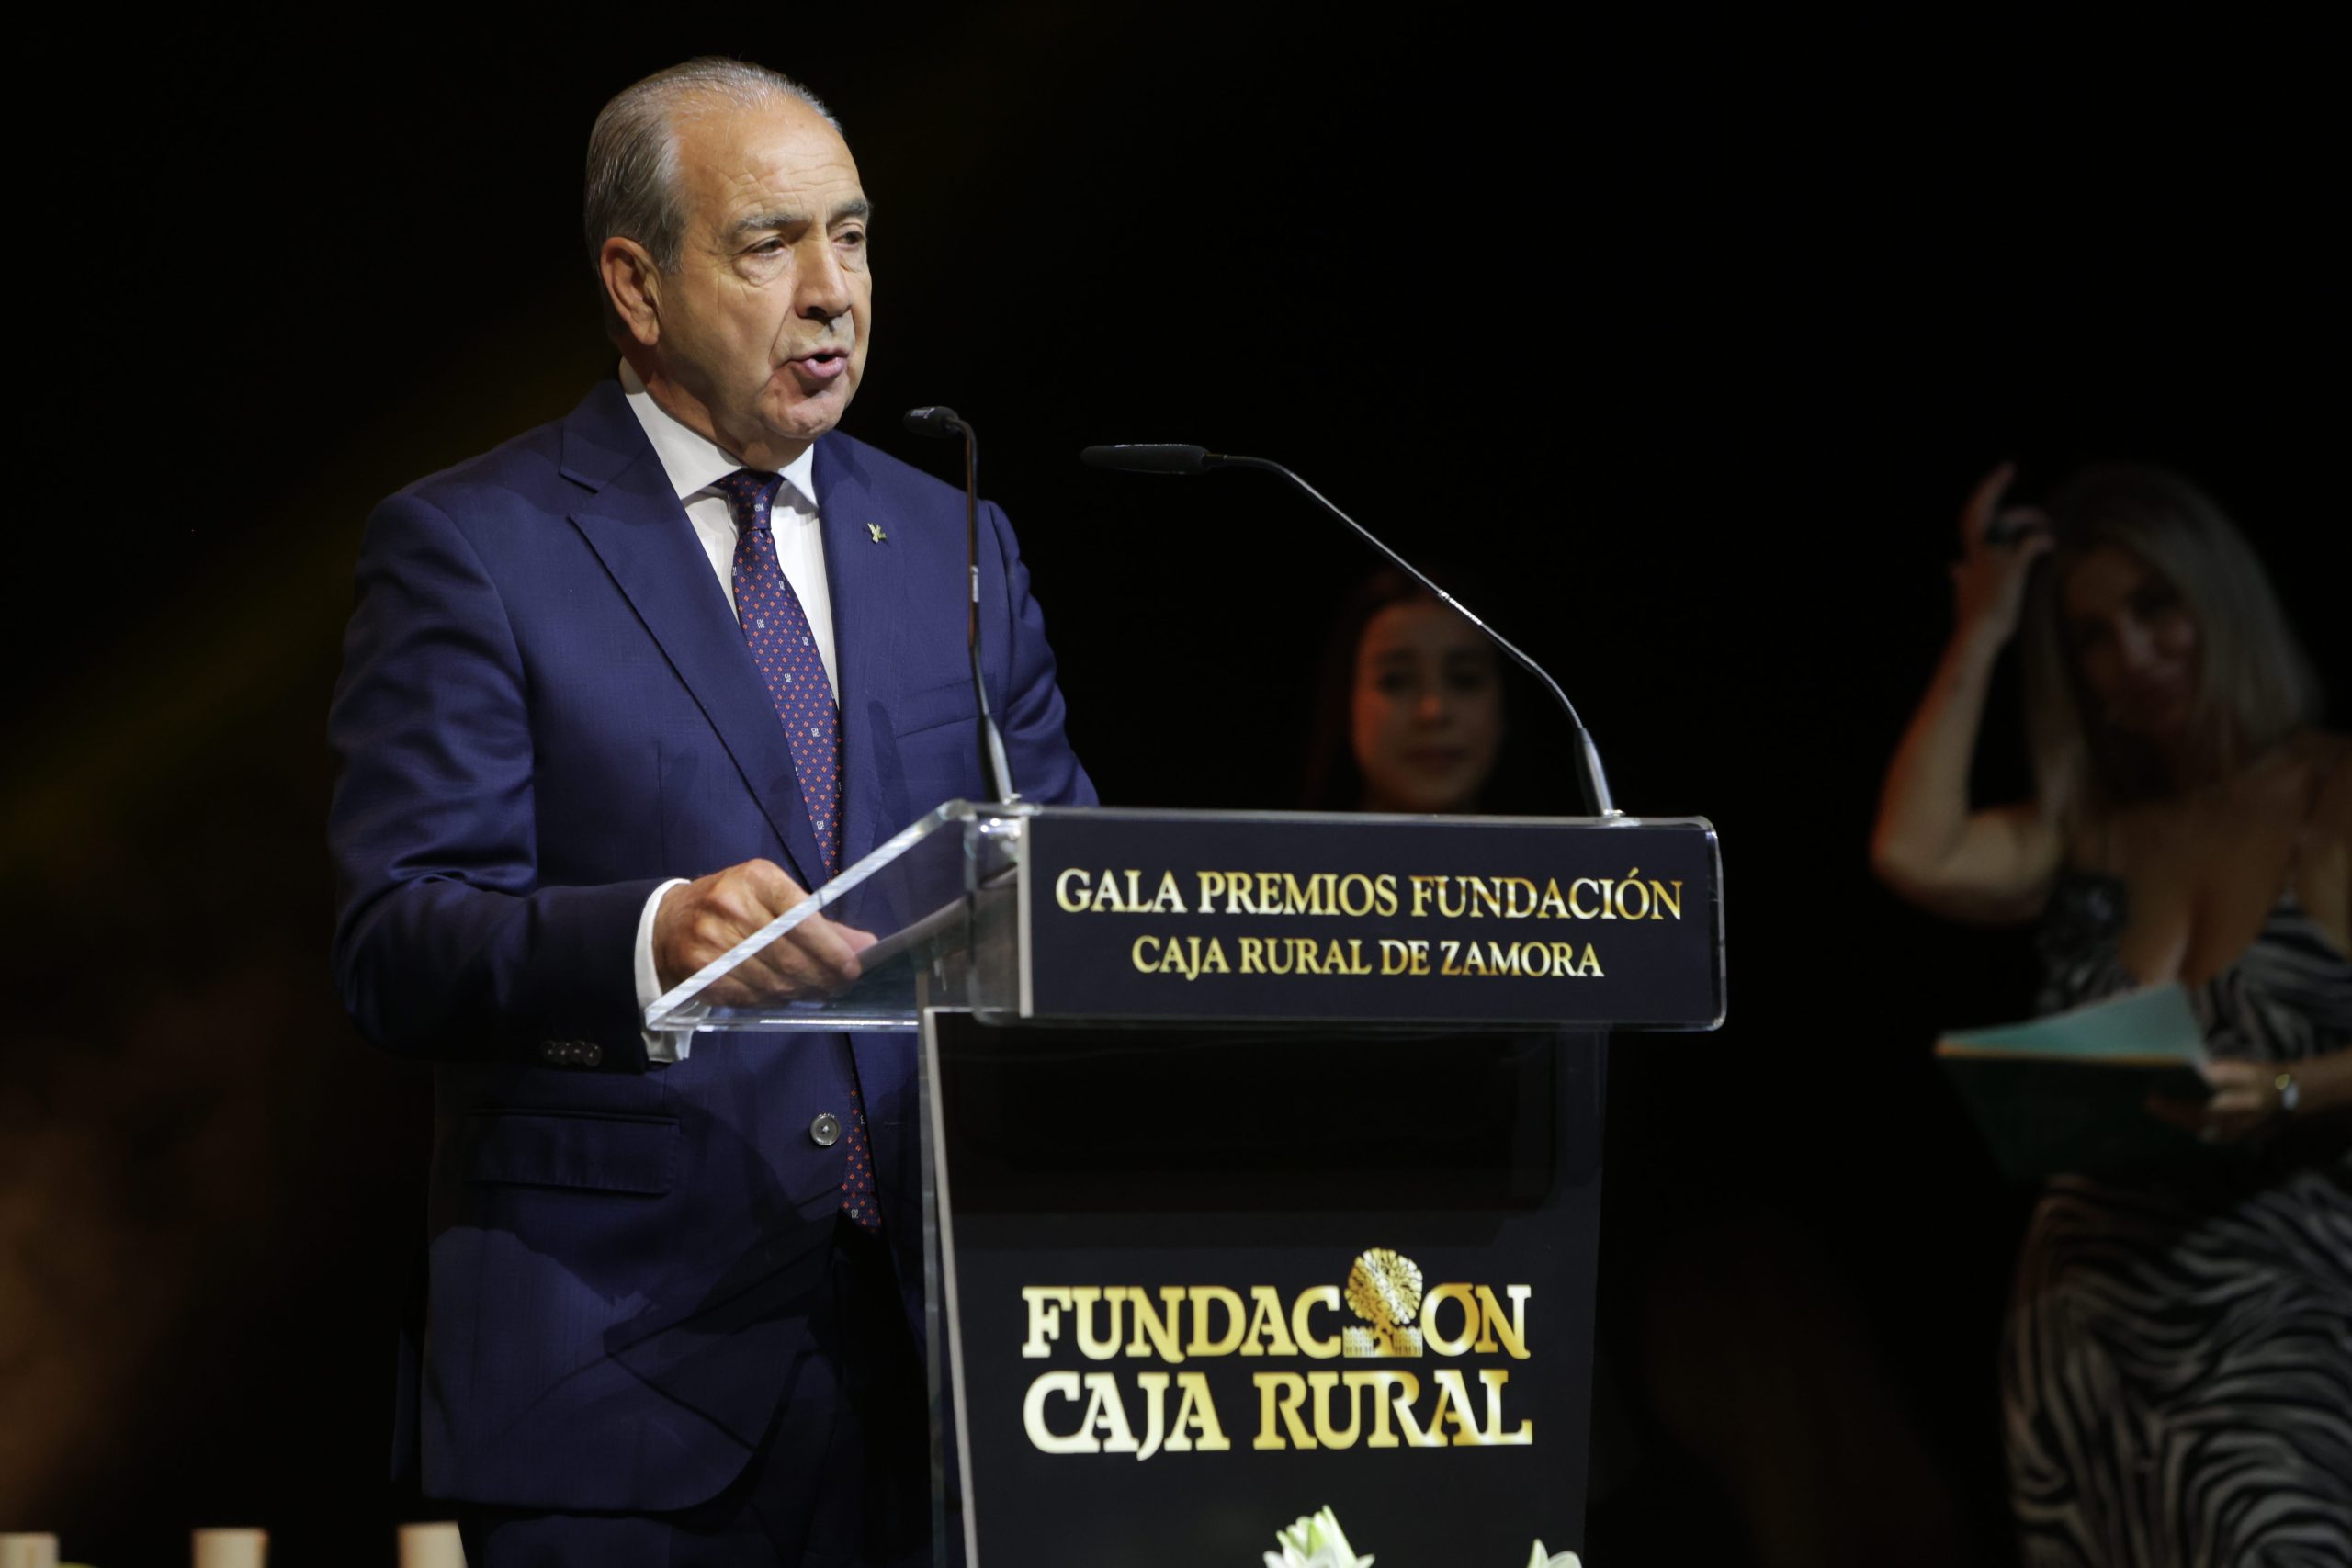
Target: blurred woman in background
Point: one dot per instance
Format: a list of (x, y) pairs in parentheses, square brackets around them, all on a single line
[(1411, 716), (2176, 1367)]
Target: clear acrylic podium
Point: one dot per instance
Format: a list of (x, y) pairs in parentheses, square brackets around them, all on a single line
[(936, 895), (1180, 1064)]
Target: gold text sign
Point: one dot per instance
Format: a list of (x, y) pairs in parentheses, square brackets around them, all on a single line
[(1371, 919), (1071, 1410)]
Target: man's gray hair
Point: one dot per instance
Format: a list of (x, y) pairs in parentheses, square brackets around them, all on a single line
[(632, 187)]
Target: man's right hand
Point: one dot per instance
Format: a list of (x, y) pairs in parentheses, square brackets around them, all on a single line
[(705, 917)]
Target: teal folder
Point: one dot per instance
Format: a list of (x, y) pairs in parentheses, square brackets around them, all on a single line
[(2069, 1092)]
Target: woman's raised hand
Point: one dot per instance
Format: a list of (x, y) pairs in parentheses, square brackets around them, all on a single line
[(1998, 546)]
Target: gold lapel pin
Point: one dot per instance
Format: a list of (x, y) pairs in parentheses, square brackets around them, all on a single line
[(875, 529)]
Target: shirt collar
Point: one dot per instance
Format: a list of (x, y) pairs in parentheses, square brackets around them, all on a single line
[(693, 462)]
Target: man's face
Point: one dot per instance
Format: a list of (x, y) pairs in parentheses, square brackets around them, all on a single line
[(763, 326)]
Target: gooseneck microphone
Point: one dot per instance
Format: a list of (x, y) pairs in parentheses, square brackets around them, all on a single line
[(1155, 457), (933, 419), (1176, 458), (944, 423)]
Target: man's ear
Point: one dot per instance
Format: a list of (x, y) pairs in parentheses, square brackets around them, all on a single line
[(632, 285)]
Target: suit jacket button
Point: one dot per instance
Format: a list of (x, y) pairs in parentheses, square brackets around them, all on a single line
[(591, 1054), (825, 1130), (550, 1050)]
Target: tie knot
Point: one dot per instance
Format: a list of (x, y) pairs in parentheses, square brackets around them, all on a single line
[(750, 493)]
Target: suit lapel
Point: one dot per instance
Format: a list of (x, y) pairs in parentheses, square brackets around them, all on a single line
[(861, 577), (637, 528)]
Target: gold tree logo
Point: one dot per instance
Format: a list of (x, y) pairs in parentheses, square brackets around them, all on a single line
[(1384, 1290)]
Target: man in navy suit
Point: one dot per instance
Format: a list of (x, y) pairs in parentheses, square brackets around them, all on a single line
[(613, 695)]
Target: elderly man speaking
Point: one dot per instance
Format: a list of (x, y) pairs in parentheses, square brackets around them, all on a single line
[(613, 695)]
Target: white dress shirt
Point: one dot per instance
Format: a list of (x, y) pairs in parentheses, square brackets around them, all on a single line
[(694, 464)]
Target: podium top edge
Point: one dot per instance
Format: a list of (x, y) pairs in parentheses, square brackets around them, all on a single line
[(955, 809)]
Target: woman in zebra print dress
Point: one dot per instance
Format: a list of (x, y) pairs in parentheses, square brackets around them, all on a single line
[(2176, 1371)]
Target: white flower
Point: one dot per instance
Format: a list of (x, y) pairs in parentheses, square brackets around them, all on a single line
[(1316, 1542), (1535, 1559)]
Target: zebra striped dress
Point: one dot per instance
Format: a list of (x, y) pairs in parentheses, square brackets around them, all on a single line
[(2176, 1366)]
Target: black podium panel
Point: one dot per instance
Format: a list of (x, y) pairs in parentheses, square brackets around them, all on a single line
[(1206, 1282)]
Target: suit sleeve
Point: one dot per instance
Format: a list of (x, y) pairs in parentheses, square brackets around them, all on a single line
[(445, 944), (1028, 701)]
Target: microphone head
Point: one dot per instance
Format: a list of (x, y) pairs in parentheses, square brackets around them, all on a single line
[(1150, 458), (935, 419)]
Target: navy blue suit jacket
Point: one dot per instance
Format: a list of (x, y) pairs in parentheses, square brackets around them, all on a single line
[(545, 709)]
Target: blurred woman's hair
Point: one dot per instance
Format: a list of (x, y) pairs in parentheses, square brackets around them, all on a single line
[(2254, 683)]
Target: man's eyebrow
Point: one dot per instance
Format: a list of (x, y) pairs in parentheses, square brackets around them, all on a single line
[(764, 223)]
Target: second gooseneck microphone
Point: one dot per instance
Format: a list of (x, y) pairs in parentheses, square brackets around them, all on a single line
[(944, 423), (1177, 457)]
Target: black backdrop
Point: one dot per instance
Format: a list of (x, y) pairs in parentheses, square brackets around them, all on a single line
[(1687, 336)]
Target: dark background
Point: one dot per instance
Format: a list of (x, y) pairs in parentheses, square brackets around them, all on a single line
[(1687, 337)]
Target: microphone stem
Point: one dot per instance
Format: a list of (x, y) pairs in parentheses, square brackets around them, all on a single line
[(972, 547), (993, 761), (1595, 781)]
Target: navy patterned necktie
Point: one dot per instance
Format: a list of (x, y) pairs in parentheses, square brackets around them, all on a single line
[(785, 652)]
